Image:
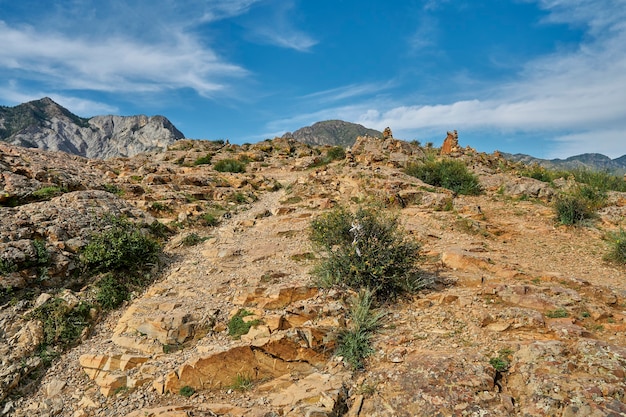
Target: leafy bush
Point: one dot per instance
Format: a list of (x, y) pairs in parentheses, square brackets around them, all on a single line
[(192, 239), (111, 292), (113, 189), (121, 246), (62, 325), (618, 247), (354, 342), (541, 173), (574, 208), (559, 313), (203, 160), (366, 249), (186, 391), (446, 173), (238, 327), (229, 165)]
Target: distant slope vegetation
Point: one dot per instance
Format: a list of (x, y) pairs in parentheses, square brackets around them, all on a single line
[(592, 161), (332, 132), (46, 125)]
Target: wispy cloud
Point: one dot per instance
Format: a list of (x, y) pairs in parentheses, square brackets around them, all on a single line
[(348, 92), (274, 24), (114, 65)]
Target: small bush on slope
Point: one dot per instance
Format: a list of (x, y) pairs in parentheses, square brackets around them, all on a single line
[(446, 173), (366, 249)]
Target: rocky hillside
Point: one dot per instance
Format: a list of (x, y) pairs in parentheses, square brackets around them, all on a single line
[(517, 315), (592, 161), (46, 125), (331, 132)]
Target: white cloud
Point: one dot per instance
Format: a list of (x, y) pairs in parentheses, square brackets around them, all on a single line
[(113, 64), (348, 91)]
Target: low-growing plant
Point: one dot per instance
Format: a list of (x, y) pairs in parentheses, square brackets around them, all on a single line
[(158, 206), (446, 173), (111, 292), (557, 314), (354, 343), (210, 219), (42, 256), (113, 189), (120, 246), (192, 239), (237, 327), (229, 165), (7, 266), (617, 241), (573, 209), (242, 382), (366, 249), (62, 323), (186, 391), (46, 193), (203, 160), (499, 364)]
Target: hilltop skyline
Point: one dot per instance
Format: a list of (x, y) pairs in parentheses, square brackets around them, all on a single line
[(537, 77)]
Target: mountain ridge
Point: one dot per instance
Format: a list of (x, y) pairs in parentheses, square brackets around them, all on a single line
[(47, 125), (331, 132), (593, 161)]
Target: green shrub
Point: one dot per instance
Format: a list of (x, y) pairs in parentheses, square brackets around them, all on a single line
[(618, 247), (186, 391), (446, 173), (366, 249), (210, 219), (192, 239), (540, 173), (42, 256), (46, 193), (111, 291), (113, 189), (229, 165), (336, 153), (573, 209), (499, 364), (121, 246), (62, 325), (354, 343), (238, 327), (203, 160)]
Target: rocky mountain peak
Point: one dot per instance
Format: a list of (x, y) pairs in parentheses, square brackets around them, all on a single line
[(332, 132), (46, 125)]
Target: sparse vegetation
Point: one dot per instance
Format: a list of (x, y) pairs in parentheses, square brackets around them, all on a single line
[(111, 292), (557, 314), (203, 160), (62, 322), (573, 209), (366, 249), (237, 327), (229, 165), (113, 189), (186, 391), (354, 342), (120, 246), (192, 239), (617, 253), (46, 193), (241, 383), (446, 173), (210, 219)]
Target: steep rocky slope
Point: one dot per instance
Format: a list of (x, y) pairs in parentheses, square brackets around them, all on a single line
[(46, 125), (522, 317)]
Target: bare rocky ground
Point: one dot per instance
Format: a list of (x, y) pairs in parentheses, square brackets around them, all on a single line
[(508, 284)]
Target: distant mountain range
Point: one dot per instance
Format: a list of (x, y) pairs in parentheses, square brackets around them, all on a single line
[(593, 161), (332, 132), (47, 125)]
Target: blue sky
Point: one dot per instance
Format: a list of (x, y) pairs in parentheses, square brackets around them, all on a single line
[(543, 77)]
